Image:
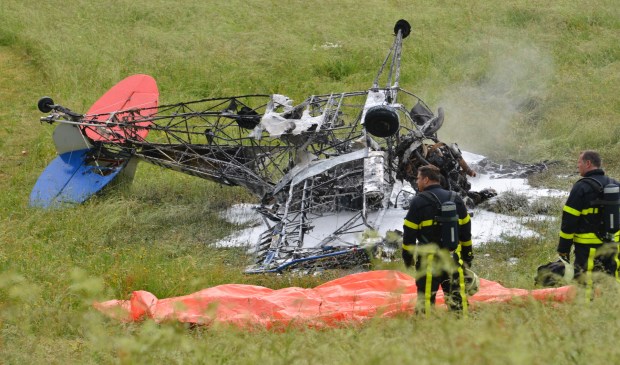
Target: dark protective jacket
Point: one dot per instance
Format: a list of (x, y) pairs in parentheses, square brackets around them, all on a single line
[(420, 225), (581, 220)]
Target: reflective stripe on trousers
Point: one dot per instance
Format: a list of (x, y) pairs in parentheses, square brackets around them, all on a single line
[(589, 269), (428, 290)]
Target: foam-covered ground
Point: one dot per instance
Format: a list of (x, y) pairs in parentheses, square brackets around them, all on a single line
[(487, 226)]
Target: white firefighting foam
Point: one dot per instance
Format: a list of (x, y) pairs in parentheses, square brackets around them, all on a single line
[(487, 226)]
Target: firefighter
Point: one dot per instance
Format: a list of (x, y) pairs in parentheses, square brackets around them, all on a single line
[(584, 220), (438, 246)]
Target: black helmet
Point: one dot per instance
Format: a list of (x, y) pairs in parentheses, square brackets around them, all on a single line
[(554, 274)]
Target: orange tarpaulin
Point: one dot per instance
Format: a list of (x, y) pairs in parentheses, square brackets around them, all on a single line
[(351, 299)]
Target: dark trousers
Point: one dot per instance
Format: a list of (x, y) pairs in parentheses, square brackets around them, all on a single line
[(589, 259), (596, 258), (435, 269)]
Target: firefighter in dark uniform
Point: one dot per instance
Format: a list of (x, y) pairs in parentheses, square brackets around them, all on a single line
[(583, 222), (436, 265)]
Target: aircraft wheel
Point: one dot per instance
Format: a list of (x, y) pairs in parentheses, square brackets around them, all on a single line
[(45, 104)]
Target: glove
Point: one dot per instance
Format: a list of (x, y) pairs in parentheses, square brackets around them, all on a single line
[(467, 255), (564, 256)]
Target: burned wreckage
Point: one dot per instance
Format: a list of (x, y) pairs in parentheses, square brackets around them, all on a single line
[(343, 154)]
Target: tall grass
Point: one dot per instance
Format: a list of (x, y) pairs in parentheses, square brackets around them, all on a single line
[(525, 80)]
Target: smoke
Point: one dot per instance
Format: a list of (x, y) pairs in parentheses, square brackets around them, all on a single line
[(480, 116)]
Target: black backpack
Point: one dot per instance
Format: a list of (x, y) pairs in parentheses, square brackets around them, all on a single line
[(605, 206), (440, 222)]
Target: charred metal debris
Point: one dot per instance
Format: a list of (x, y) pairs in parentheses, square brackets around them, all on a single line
[(344, 154)]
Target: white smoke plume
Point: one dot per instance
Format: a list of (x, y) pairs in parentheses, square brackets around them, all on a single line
[(479, 115)]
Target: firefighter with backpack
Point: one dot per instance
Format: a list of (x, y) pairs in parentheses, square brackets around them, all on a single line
[(591, 222), (437, 241)]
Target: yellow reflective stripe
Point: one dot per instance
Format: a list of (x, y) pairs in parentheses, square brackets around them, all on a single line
[(409, 248), (427, 223), (571, 211), (462, 288), (590, 267), (589, 211), (586, 238), (427, 287), (430, 222), (466, 243), (458, 254), (617, 262), (576, 213), (411, 225), (464, 220)]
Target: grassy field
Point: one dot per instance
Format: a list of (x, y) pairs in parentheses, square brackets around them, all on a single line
[(523, 80)]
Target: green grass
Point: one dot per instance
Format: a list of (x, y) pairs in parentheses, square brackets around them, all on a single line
[(527, 80)]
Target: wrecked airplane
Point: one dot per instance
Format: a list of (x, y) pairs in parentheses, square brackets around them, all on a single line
[(340, 153)]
